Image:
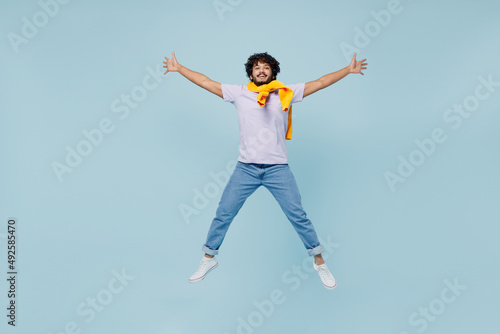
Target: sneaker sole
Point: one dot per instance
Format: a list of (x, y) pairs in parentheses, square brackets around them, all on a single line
[(329, 287), (202, 277)]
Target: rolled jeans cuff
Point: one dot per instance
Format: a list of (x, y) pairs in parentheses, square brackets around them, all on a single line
[(209, 251), (316, 250)]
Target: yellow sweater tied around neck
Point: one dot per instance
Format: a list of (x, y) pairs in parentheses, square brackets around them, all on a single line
[(285, 95)]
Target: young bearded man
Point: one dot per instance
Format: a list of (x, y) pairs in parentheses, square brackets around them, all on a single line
[(264, 107)]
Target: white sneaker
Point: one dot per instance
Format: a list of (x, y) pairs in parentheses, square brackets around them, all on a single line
[(326, 276), (206, 265)]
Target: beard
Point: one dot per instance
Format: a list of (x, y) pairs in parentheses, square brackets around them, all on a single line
[(259, 83)]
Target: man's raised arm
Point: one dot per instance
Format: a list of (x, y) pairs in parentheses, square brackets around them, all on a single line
[(200, 79), (328, 79)]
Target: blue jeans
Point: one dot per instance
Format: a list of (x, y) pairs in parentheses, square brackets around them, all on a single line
[(279, 180)]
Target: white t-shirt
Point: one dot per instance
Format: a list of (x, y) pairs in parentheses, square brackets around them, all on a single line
[(262, 129)]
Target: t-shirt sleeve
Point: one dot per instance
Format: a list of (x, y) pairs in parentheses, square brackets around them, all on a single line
[(230, 92), (298, 92)]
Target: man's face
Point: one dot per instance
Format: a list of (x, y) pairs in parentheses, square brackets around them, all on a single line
[(261, 74)]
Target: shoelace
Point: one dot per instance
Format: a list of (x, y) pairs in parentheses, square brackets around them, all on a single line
[(323, 271), (203, 266)]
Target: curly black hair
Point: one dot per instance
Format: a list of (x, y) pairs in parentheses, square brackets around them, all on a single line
[(265, 58)]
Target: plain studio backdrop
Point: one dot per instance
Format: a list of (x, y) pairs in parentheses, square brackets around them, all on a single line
[(114, 171)]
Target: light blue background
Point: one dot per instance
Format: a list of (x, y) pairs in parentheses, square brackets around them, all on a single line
[(119, 209)]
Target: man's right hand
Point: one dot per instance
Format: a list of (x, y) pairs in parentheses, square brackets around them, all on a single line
[(171, 64), (200, 79)]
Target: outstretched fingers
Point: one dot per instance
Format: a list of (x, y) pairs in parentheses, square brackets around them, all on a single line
[(165, 66)]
